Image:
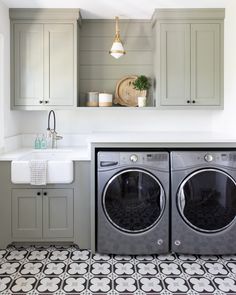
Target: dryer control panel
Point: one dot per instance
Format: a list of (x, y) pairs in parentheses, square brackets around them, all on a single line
[(190, 159)]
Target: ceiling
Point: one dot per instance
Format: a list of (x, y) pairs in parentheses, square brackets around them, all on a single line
[(133, 9)]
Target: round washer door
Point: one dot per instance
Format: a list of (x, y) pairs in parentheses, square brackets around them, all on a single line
[(207, 200), (133, 200)]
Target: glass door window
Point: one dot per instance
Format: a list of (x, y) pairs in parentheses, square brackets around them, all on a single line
[(207, 200), (133, 200)]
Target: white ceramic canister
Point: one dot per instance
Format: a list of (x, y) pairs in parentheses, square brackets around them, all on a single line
[(92, 99), (142, 101), (105, 99)]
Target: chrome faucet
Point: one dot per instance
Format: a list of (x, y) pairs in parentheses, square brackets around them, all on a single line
[(52, 135)]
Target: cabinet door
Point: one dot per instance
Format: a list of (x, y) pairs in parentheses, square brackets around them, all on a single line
[(205, 64), (175, 64), (58, 217), (59, 64), (28, 64), (27, 213)]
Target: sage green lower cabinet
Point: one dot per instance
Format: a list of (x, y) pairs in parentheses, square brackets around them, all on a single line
[(51, 213), (42, 213), (58, 219), (27, 213)]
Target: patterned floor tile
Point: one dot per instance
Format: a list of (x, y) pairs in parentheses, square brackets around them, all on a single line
[(101, 268), (74, 285), (176, 285), (201, 285), (100, 285), (125, 285), (77, 269), (193, 268), (5, 283), (170, 268), (146, 268), (64, 270), (151, 285), (124, 268), (49, 285), (23, 285)]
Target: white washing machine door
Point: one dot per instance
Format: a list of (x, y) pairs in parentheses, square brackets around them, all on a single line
[(133, 200), (206, 200)]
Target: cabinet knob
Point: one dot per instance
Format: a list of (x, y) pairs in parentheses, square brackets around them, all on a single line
[(188, 101), (46, 101), (40, 101), (45, 193), (38, 194), (193, 101)]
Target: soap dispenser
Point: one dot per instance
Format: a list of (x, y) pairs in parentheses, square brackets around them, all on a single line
[(43, 142), (37, 143)]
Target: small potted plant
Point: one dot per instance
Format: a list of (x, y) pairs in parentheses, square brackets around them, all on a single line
[(142, 84)]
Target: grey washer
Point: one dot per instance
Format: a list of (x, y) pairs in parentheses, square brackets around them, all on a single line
[(130, 183), (203, 202)]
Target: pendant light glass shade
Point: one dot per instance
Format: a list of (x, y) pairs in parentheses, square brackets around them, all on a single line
[(117, 49)]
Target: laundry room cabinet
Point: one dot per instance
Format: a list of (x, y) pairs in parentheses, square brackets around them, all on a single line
[(42, 213), (43, 58), (189, 57)]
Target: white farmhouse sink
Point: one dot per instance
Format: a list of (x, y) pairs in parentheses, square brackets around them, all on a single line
[(59, 168)]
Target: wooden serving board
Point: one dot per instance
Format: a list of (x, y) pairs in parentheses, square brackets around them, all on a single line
[(125, 93)]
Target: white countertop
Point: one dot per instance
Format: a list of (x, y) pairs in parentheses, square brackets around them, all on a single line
[(80, 153), (83, 152), (161, 137)]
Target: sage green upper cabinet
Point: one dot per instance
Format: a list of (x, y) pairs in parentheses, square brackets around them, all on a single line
[(59, 64), (175, 64), (205, 64), (28, 71), (44, 58), (188, 58)]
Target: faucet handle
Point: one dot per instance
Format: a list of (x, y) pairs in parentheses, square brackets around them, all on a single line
[(59, 137)]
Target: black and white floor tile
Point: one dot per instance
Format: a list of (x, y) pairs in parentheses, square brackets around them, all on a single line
[(67, 270)]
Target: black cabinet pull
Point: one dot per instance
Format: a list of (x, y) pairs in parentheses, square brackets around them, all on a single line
[(188, 101), (38, 194), (45, 193), (194, 101), (46, 101), (40, 101)]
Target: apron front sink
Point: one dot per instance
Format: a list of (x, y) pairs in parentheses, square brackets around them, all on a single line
[(59, 167)]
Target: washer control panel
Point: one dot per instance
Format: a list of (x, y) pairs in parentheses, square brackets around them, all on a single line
[(108, 160)]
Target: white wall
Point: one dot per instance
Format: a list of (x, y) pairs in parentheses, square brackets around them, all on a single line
[(11, 118), (136, 120)]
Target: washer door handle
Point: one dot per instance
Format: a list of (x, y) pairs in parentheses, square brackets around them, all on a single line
[(161, 201), (182, 200)]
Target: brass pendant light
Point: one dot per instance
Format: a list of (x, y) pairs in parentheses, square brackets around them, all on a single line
[(117, 49)]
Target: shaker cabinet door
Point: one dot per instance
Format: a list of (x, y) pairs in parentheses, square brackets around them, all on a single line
[(58, 217), (175, 64), (28, 64), (59, 64), (205, 64), (27, 213)]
